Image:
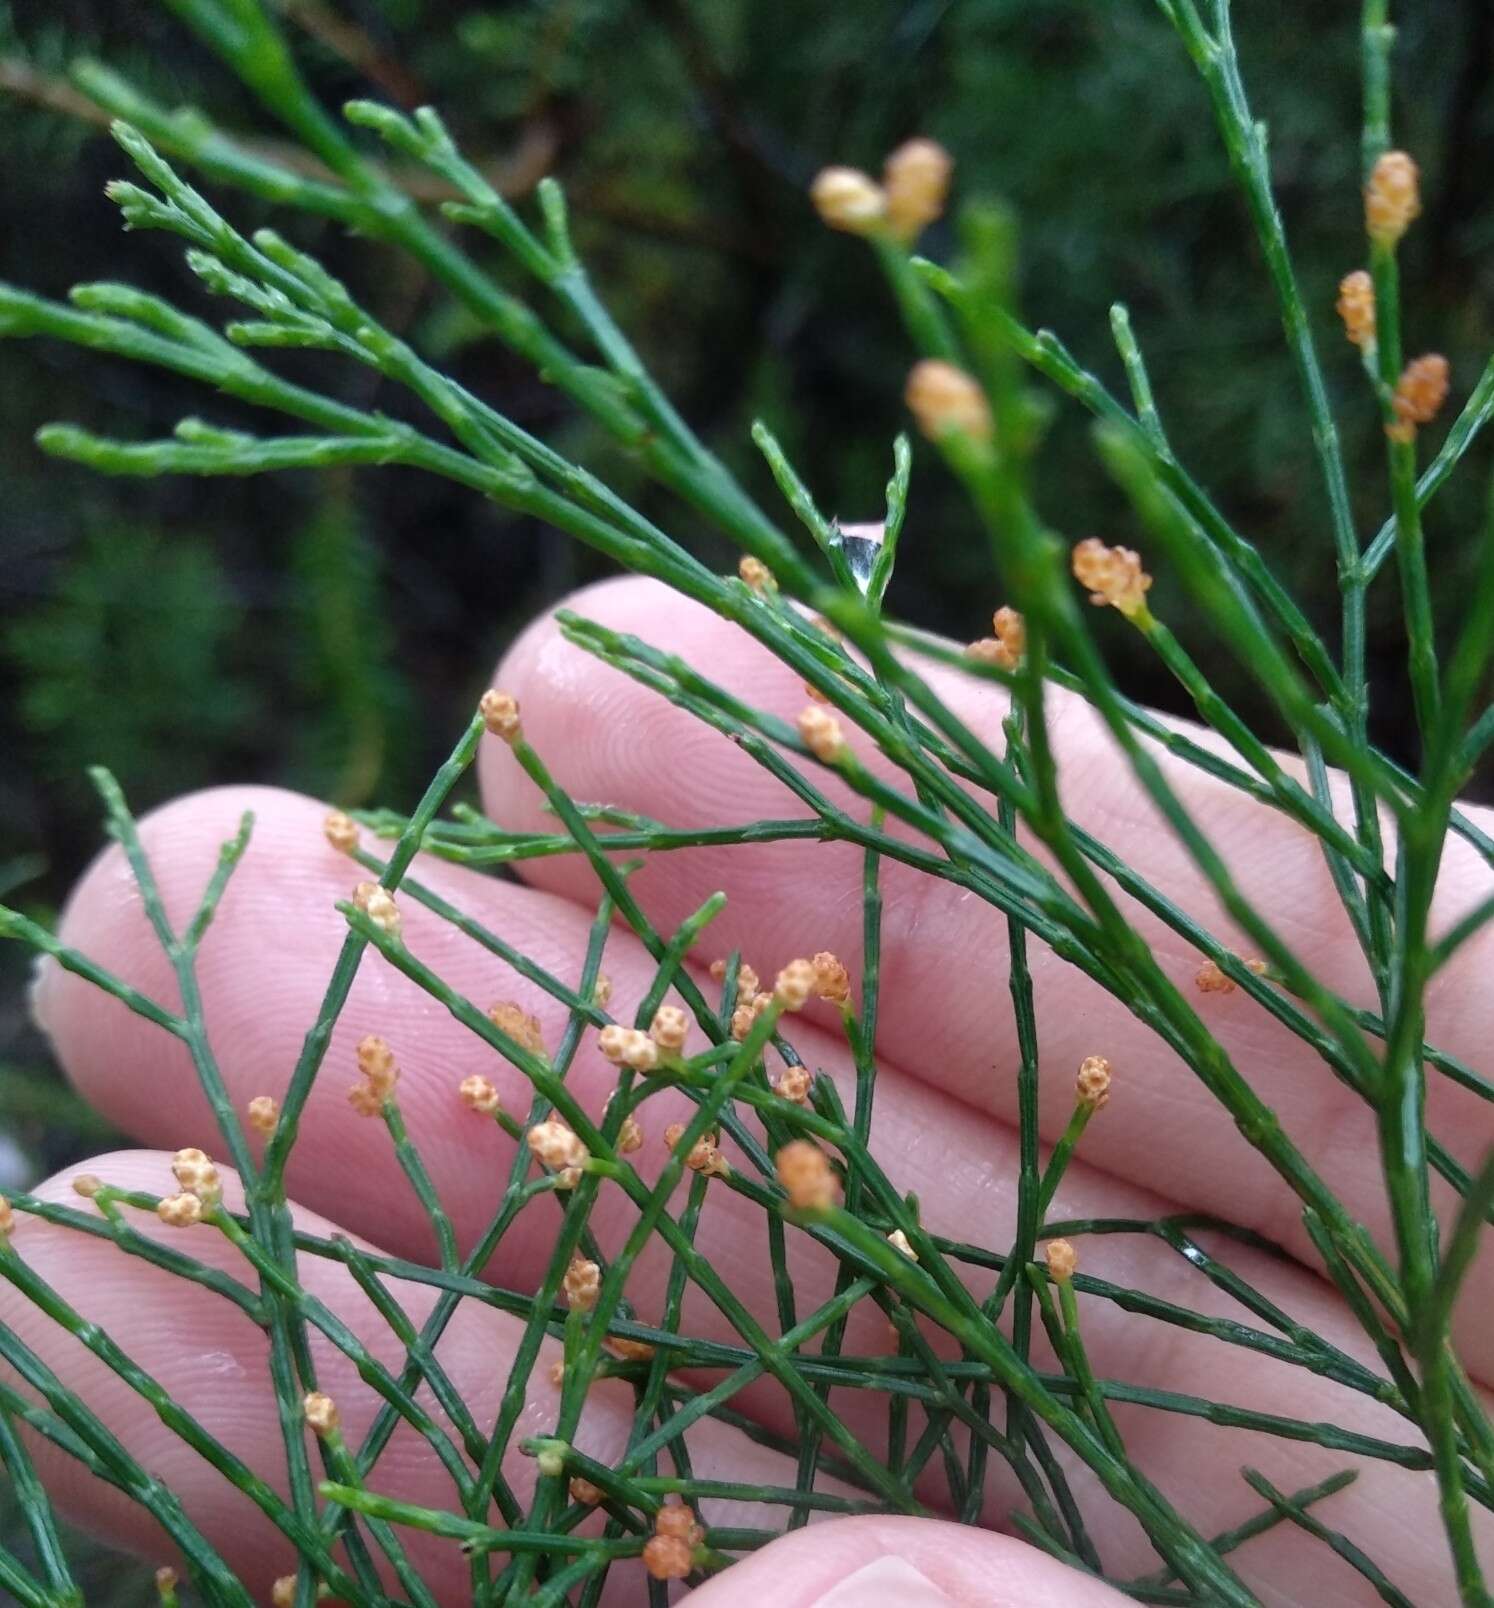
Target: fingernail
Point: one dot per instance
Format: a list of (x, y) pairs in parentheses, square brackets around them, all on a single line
[(44, 973), (886, 1582)]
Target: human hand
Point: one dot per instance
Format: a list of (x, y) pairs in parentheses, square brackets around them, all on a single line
[(944, 1127)]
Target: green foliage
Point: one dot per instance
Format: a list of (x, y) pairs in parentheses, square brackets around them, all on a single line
[(686, 174), (354, 700), (395, 405)]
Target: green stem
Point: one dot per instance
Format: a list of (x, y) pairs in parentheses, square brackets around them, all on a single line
[(63, 1590)]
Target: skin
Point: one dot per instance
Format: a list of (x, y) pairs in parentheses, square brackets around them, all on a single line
[(944, 1126)]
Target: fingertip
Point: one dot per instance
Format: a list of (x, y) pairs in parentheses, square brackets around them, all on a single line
[(589, 720), (105, 919), (886, 1562), (605, 738)]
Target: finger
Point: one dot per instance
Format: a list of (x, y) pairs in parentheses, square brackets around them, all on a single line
[(262, 971), (213, 1359), (901, 1563), (944, 1013)]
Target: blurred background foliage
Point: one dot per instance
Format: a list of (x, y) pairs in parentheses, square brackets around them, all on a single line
[(325, 633)]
